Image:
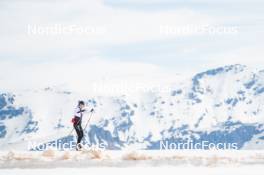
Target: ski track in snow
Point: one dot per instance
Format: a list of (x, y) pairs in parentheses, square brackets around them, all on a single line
[(249, 170), (84, 159)]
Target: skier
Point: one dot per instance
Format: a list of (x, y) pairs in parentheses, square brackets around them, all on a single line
[(77, 122)]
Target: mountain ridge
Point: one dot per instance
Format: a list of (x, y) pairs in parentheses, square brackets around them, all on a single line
[(218, 105)]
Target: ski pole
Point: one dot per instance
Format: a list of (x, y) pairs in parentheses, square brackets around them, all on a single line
[(85, 125), (73, 129), (88, 121)]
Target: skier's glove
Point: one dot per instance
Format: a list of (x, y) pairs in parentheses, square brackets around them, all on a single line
[(92, 110)]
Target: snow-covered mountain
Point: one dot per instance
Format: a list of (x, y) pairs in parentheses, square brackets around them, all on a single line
[(222, 105)]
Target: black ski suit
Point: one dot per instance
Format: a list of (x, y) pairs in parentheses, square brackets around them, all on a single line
[(78, 124)]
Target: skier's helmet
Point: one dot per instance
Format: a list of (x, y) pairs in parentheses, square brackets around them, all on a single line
[(81, 103)]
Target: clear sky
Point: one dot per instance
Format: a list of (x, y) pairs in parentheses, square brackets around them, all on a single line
[(140, 31)]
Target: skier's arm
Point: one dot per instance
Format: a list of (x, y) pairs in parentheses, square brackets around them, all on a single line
[(83, 110), (86, 110)]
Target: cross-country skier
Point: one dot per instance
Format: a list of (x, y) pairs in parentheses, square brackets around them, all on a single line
[(77, 122)]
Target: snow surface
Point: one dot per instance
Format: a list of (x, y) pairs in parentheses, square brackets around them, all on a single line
[(96, 158), (248, 170), (131, 162)]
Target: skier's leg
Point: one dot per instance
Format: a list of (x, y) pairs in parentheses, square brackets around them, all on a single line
[(81, 133), (76, 127)]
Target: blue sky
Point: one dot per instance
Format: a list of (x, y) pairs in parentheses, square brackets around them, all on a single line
[(132, 32)]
